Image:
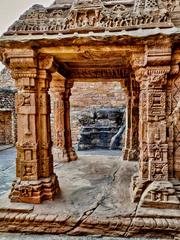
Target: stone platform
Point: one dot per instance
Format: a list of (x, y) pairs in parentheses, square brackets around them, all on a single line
[(94, 200)]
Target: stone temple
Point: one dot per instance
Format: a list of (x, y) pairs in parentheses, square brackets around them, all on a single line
[(135, 43)]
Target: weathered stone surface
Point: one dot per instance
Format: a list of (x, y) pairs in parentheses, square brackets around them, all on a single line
[(94, 200), (7, 116), (97, 15), (6, 80), (100, 127), (94, 95), (97, 41)]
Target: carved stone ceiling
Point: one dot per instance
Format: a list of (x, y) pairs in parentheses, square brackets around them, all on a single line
[(91, 63), (83, 16)]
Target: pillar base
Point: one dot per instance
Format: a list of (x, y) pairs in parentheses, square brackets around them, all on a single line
[(34, 191), (160, 194), (60, 155), (156, 194), (137, 188), (72, 154), (131, 155), (63, 155)]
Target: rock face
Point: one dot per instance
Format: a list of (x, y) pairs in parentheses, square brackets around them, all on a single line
[(101, 128)]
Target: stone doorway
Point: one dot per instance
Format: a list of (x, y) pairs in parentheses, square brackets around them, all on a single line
[(6, 128), (97, 115)]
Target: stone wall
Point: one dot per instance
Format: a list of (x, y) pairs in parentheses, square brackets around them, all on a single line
[(7, 116), (6, 80), (7, 108), (6, 136), (7, 99)]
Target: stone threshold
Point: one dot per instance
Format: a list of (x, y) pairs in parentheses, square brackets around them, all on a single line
[(30, 222)]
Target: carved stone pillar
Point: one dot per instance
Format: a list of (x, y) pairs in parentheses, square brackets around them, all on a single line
[(36, 180), (59, 149), (68, 139), (131, 150), (153, 185)]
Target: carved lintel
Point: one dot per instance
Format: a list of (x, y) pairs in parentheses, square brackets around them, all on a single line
[(159, 53)]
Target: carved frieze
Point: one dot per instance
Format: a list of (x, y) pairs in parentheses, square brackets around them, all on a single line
[(93, 15), (112, 73)]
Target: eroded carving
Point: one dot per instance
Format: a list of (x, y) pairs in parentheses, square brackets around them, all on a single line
[(94, 15)]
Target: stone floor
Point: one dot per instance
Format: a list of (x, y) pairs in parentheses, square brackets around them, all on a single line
[(94, 200), (5, 147)]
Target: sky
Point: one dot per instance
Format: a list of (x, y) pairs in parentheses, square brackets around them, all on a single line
[(11, 10)]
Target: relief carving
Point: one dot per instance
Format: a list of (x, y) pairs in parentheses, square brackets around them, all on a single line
[(157, 105), (160, 194), (26, 191), (85, 15), (24, 100), (28, 171)]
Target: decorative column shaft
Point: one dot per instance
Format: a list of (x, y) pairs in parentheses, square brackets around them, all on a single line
[(35, 178), (131, 151), (68, 139), (59, 150), (153, 180)]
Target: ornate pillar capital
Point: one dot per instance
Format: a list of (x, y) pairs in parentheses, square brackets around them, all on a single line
[(45, 62), (152, 77), (138, 60), (20, 58)]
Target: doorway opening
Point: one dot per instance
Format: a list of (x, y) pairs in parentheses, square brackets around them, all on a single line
[(98, 116)]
